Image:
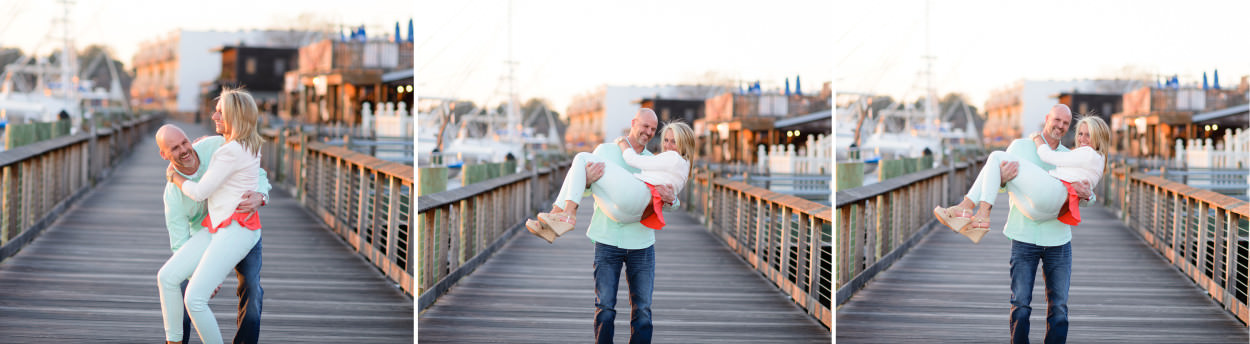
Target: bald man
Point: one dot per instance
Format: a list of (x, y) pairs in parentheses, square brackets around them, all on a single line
[(1049, 242), (183, 216), (629, 244)]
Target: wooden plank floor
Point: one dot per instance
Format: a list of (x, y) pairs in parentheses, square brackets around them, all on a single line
[(948, 290), (535, 292), (91, 277)]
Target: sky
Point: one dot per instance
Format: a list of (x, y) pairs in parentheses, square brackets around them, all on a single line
[(984, 45), (124, 24), (566, 48)]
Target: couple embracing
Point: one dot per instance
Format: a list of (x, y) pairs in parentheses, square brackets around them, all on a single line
[(631, 187), (213, 190)]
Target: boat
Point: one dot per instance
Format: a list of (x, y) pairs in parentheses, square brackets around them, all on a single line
[(33, 89)]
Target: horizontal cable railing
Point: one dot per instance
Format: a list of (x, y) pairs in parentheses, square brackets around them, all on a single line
[(787, 239), (41, 180), (878, 223), (365, 200), (1202, 233)]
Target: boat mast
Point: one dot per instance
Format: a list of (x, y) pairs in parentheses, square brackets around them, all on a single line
[(930, 104), (69, 79)]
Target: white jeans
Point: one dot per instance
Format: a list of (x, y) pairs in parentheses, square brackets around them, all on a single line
[(224, 250), (620, 194), (1037, 194)]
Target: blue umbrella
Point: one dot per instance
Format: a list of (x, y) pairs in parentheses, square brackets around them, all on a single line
[(787, 86), (798, 89), (1217, 79), (409, 30), (397, 39), (1204, 81)]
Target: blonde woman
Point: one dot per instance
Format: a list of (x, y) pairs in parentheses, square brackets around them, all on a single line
[(627, 198), (210, 254), (1039, 194)]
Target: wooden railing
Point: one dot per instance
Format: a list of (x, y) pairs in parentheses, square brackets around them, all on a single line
[(878, 223), (787, 239), (41, 180), (366, 201), (460, 228), (1203, 233)]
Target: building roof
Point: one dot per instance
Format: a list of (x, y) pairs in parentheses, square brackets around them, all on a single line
[(397, 75), (815, 116), (1221, 112)]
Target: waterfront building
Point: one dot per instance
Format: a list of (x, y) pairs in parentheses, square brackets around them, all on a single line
[(170, 70), (737, 123), (1154, 117), (336, 77), (1020, 109), (603, 114)]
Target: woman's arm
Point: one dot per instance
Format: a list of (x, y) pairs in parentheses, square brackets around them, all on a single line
[(222, 166), (660, 161), (1081, 157)]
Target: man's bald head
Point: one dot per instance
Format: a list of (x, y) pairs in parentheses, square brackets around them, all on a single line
[(175, 147), (169, 133), (1057, 122), (642, 127)]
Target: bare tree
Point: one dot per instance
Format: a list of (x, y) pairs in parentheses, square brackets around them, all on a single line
[(1125, 79), (304, 28), (706, 85)]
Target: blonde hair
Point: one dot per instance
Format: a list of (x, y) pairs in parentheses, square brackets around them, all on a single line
[(684, 137), (1099, 133), (239, 110)]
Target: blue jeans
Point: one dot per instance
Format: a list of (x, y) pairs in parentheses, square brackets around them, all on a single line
[(640, 274), (251, 295), (1057, 271)]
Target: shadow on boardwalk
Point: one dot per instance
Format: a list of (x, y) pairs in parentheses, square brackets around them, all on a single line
[(535, 292), (948, 290), (91, 277)]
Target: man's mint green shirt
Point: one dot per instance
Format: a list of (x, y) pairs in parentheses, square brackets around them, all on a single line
[(1021, 228), (182, 214), (629, 236)]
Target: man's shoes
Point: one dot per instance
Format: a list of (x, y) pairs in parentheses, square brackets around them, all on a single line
[(540, 230)]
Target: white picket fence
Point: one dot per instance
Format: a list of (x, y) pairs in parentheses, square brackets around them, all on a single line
[(390, 120), (1234, 154), (816, 158)]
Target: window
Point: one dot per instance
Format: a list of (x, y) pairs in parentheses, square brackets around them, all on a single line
[(279, 67), (249, 67)]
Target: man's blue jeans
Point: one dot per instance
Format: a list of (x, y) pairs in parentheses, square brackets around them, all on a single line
[(1057, 271), (640, 274), (251, 295)]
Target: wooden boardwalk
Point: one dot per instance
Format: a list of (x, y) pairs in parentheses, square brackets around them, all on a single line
[(91, 276), (947, 290), (534, 292)]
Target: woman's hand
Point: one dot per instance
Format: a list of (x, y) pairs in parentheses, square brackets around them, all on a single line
[(171, 174), (1037, 138), (623, 143)]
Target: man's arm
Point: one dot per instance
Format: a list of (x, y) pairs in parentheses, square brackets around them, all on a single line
[(176, 217), (1084, 193), (255, 199)]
